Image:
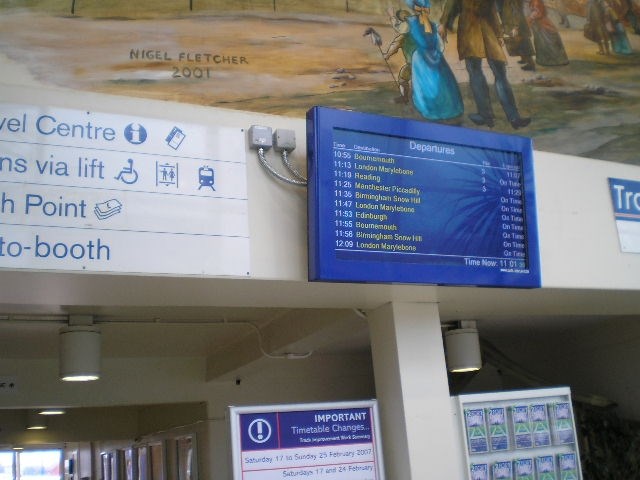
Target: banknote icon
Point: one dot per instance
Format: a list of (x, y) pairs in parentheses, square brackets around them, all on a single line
[(107, 209)]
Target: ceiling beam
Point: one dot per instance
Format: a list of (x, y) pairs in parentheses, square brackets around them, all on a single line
[(296, 334)]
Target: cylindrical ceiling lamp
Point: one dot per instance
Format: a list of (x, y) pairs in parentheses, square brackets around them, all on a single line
[(462, 348), (80, 353)]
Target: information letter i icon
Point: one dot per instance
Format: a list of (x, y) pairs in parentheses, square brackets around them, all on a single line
[(135, 133)]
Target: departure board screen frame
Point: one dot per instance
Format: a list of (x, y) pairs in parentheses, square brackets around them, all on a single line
[(394, 200)]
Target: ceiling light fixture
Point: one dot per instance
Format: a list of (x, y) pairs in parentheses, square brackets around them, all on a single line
[(35, 421), (462, 347), (52, 411), (80, 350)]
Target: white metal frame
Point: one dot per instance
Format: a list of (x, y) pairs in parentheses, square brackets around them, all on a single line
[(510, 398)]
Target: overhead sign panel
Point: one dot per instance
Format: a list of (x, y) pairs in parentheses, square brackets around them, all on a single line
[(335, 441), (88, 191), (396, 200), (625, 195)]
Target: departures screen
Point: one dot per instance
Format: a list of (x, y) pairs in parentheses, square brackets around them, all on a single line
[(395, 200)]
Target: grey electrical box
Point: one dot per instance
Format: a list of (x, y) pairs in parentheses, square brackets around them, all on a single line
[(284, 140), (260, 137)]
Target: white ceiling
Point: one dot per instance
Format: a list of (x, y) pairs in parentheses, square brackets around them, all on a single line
[(538, 329), (219, 320), (504, 317)]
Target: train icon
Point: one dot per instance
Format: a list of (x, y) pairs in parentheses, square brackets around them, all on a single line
[(206, 177)]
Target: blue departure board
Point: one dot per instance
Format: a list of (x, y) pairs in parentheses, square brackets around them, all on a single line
[(402, 201)]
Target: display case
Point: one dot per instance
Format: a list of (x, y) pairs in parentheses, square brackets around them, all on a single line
[(520, 435)]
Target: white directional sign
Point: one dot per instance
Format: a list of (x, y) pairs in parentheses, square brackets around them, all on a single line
[(98, 192)]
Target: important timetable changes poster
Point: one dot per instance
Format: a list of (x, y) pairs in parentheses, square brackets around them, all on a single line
[(328, 441)]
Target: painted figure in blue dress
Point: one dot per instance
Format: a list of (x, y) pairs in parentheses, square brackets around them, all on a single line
[(435, 91)]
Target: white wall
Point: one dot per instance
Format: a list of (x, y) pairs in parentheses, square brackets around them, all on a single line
[(578, 238), (579, 246)]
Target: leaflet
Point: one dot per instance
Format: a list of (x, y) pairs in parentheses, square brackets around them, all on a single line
[(522, 437), (568, 466), (563, 431), (498, 433), (540, 425), (476, 430), (546, 468), (502, 470), (524, 469), (479, 471)]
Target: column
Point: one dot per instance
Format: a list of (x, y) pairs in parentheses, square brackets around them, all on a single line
[(416, 412)]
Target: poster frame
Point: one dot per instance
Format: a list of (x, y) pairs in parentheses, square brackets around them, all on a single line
[(235, 413)]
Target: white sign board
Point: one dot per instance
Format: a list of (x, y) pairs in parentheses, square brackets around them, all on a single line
[(87, 191), (625, 196), (328, 441)]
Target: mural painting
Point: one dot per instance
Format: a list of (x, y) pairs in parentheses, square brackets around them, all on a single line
[(564, 72)]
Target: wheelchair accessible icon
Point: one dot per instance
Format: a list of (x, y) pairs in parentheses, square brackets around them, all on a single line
[(128, 174), (259, 430)]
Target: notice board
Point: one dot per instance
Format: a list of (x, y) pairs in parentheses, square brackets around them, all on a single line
[(328, 441)]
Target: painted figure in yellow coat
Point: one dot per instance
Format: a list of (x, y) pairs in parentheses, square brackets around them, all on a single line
[(480, 36)]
